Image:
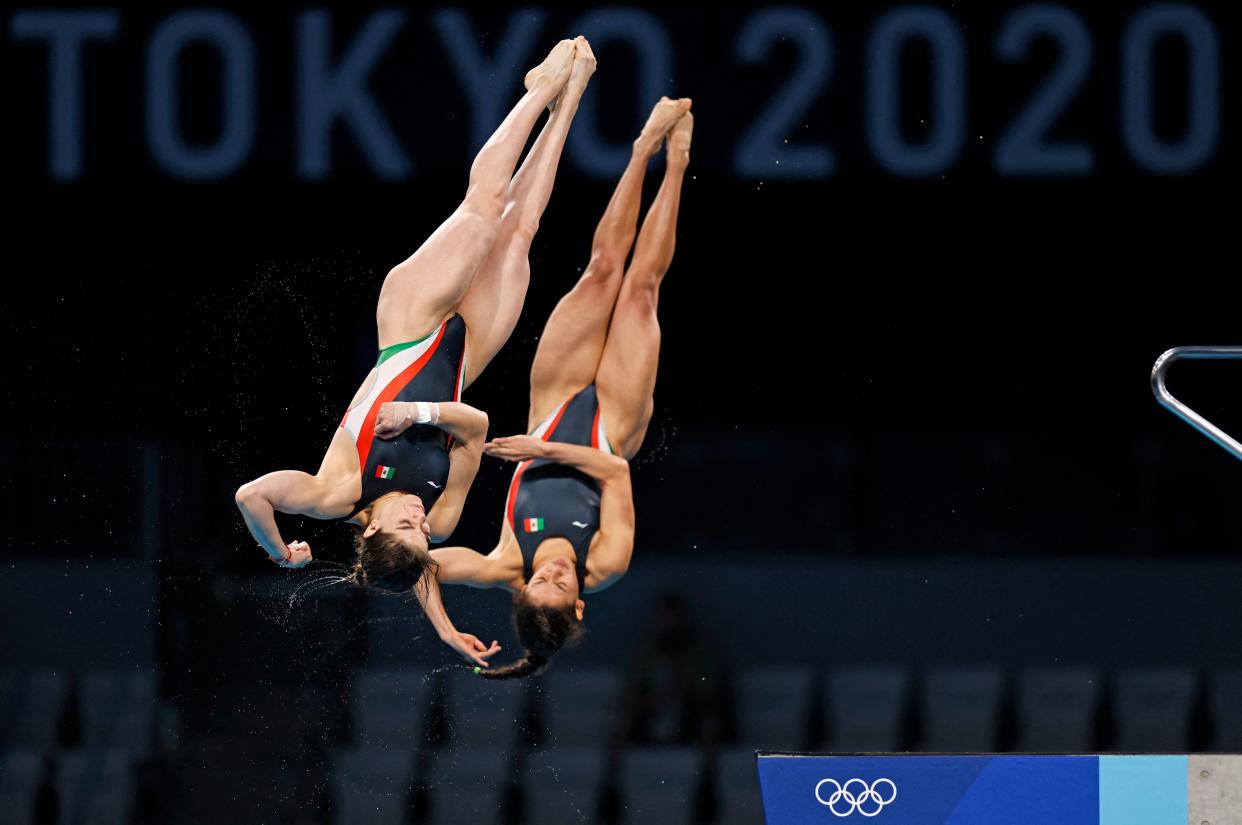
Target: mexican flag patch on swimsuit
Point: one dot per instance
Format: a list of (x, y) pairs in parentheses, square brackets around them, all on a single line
[(532, 525)]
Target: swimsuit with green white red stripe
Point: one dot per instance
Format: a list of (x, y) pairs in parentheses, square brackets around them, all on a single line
[(417, 461), (549, 500)]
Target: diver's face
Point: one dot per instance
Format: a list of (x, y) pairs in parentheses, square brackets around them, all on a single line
[(404, 518), (553, 584)]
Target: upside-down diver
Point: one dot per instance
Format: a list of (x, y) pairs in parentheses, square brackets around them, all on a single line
[(569, 516), (407, 450)]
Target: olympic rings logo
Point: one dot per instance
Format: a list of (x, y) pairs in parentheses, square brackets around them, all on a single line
[(856, 796)]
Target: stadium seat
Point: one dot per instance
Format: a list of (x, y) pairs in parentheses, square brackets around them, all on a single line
[(469, 787), (30, 706), (119, 709), (578, 706), (371, 786), (737, 784), (1152, 709), (1225, 696), (1056, 709), (773, 705), (20, 774), (389, 707), (562, 785), (658, 785), (486, 713), (961, 708), (95, 787), (866, 706)]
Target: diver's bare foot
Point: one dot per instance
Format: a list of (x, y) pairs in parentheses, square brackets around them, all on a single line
[(554, 70), (583, 66), (679, 140), (663, 117)]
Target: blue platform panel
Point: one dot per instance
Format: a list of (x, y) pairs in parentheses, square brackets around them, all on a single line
[(974, 790)]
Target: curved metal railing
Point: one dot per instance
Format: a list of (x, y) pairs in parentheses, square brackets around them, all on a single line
[(1179, 408)]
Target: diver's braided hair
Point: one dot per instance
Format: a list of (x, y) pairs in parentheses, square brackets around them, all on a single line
[(542, 631), (527, 665)]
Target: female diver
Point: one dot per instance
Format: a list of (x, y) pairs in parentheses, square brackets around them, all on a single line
[(569, 518), (403, 457)]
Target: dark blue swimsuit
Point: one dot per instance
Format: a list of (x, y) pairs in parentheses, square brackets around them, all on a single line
[(417, 461), (550, 500)]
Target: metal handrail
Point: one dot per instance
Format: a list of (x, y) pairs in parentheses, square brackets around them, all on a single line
[(1179, 408)]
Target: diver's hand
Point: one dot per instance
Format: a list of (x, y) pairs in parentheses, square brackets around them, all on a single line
[(470, 648), (395, 417), (516, 447), (297, 555)]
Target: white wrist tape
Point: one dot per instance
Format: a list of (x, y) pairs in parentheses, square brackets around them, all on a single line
[(424, 412)]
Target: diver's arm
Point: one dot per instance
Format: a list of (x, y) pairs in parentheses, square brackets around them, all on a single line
[(597, 464), (286, 491), (461, 565), (463, 465), (462, 421), (471, 649), (610, 556)]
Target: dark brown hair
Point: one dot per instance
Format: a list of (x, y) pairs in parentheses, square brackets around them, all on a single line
[(385, 562), (542, 631)]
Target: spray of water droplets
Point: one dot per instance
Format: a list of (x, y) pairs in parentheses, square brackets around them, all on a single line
[(666, 432)]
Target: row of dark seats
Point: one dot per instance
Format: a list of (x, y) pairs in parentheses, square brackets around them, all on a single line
[(79, 747), (70, 787), (845, 709), (654, 786), (447, 747), (46, 710)]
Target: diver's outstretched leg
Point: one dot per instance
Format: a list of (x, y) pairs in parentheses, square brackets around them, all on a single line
[(422, 290), (627, 370), (573, 338), (494, 300)]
